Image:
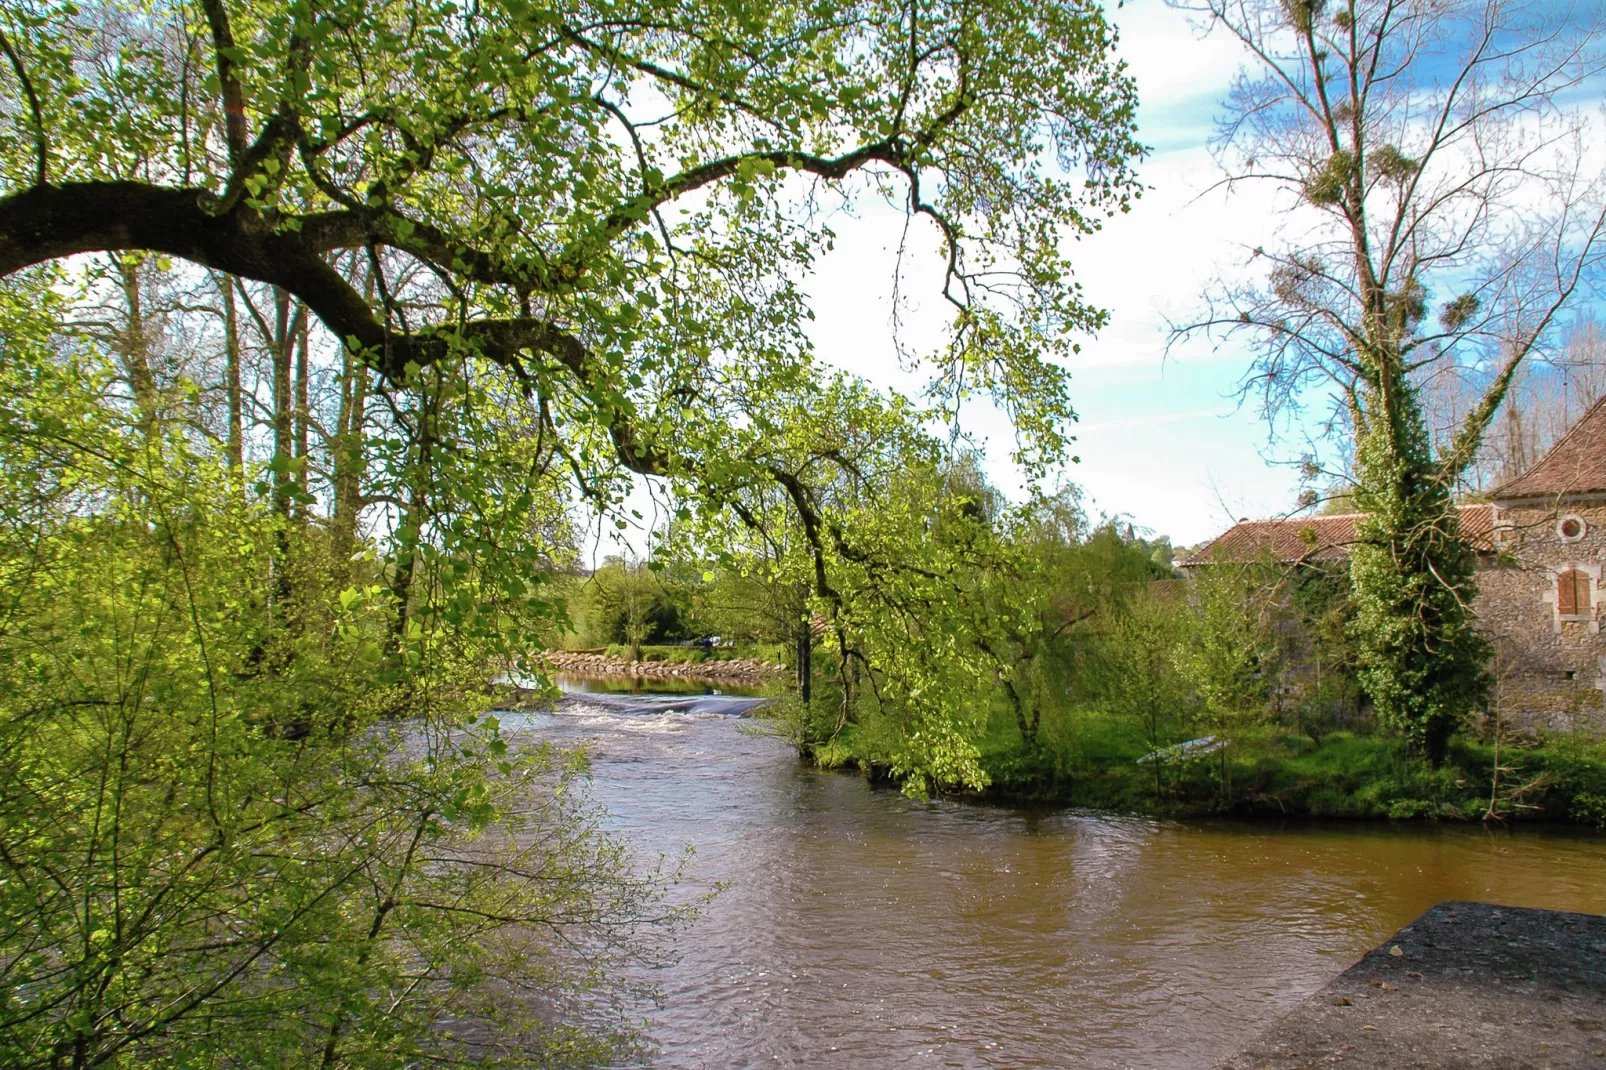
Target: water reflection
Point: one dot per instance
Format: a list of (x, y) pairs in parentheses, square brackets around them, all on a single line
[(863, 929)]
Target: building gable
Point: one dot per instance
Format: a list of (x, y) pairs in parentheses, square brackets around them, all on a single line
[(1575, 465)]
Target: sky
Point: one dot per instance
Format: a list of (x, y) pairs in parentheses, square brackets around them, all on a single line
[(1161, 438)]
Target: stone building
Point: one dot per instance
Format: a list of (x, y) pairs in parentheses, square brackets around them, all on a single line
[(1541, 600), (1541, 543)]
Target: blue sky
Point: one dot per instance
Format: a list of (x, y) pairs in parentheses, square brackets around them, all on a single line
[(1161, 438)]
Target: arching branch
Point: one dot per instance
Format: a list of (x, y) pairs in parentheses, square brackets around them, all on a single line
[(40, 141)]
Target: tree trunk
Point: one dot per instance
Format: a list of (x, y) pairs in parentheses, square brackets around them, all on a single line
[(283, 340), (805, 664), (411, 526), (302, 417), (349, 458), (805, 652), (285, 328), (1028, 730), (135, 348), (236, 395), (350, 464)]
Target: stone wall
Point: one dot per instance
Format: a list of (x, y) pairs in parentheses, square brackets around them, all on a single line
[(1550, 667)]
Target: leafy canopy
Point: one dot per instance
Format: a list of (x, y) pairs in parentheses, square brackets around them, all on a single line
[(605, 211), (614, 201)]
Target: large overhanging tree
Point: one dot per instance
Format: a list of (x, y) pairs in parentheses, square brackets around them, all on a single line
[(313, 317), (1440, 211), (613, 205), (607, 197)]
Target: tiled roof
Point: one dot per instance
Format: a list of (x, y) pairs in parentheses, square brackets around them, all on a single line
[(1575, 465), (1317, 538)]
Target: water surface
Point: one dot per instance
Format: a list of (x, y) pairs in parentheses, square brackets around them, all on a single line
[(861, 929)]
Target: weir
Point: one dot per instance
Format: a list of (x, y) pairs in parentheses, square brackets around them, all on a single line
[(1464, 985)]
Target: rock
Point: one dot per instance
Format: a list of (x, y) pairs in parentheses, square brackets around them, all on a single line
[(1476, 970)]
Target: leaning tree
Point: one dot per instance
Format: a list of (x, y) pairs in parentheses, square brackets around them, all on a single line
[(532, 248), (612, 205), (1438, 210)]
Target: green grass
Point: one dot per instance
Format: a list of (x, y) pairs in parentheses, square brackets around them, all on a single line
[(1090, 760), (1357, 777)]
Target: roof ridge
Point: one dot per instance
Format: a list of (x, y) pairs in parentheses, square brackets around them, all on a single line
[(1253, 536), (1346, 516), (1554, 449)]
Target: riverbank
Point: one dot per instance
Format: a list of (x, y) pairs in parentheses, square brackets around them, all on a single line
[(691, 665), (1279, 774)]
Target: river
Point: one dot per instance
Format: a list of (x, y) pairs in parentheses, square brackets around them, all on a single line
[(859, 928)]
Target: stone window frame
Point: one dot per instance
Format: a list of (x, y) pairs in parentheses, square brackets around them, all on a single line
[(1592, 570), (1562, 521)]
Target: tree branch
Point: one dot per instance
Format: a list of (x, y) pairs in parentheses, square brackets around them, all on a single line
[(235, 131), (41, 144)]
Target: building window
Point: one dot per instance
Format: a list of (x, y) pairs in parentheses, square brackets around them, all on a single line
[(1571, 528), (1572, 593)]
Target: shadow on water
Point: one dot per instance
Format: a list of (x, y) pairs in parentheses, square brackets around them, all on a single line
[(862, 928)]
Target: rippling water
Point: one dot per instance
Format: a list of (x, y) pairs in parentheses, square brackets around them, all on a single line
[(861, 929)]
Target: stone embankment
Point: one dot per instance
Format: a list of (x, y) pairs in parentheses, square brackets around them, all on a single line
[(747, 670), (1467, 986)]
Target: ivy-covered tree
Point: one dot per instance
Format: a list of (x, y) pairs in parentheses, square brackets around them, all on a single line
[(1440, 211)]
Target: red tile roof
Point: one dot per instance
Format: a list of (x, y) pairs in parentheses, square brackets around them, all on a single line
[(1575, 465), (1317, 538)]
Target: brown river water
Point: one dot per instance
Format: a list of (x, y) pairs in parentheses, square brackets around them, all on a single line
[(859, 928)]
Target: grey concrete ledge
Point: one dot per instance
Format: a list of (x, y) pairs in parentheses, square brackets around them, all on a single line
[(1471, 985)]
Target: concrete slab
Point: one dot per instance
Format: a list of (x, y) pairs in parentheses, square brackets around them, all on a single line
[(1465, 985)]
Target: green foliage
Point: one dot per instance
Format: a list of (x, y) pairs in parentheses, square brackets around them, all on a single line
[(563, 252), (1110, 663), (1421, 661), (630, 604), (1344, 777), (1589, 809), (1131, 671), (1317, 656), (1458, 313), (1330, 183), (1388, 162), (1224, 651), (1302, 14), (253, 812), (547, 252)]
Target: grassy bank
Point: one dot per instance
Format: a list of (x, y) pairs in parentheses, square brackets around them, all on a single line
[(1274, 772)]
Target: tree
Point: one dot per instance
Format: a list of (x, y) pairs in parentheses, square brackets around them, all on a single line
[(1225, 651), (1133, 675), (215, 845), (1545, 400), (1070, 587), (629, 604), (603, 212), (1439, 211)]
